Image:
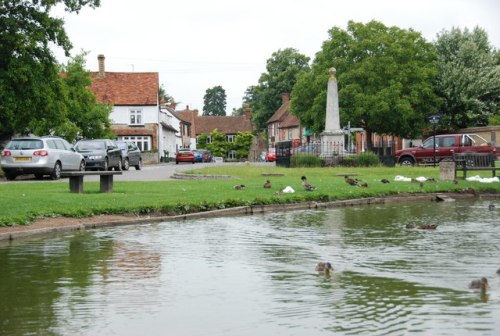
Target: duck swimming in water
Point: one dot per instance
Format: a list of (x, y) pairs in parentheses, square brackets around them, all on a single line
[(324, 268), (479, 284), (427, 227)]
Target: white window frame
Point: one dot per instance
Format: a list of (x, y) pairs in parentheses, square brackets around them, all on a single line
[(231, 155), (135, 117), (141, 141), (230, 138)]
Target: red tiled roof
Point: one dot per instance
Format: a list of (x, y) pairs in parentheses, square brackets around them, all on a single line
[(224, 124), (126, 88), (289, 121), (282, 110)]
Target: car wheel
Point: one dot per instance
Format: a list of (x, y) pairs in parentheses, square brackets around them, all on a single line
[(118, 166), (139, 166), (82, 166), (56, 172), (406, 162), (126, 164), (106, 165), (10, 177), (39, 176)]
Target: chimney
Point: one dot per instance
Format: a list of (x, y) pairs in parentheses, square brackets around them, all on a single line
[(100, 59), (285, 98), (248, 113)]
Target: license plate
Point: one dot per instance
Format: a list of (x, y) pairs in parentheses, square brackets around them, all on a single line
[(22, 159)]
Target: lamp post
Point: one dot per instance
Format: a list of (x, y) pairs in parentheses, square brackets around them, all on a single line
[(434, 120)]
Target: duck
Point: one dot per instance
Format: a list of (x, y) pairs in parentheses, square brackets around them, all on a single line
[(349, 180), (491, 207), (267, 184), (479, 284), (324, 268), (306, 185), (385, 181), (427, 227), (360, 183), (498, 271), (239, 187)]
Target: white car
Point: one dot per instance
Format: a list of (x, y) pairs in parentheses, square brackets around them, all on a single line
[(40, 156)]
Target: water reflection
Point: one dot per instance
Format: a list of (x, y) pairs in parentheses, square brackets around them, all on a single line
[(250, 275)]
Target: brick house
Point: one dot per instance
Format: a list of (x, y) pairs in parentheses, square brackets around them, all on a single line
[(136, 111), (283, 125), (228, 125)]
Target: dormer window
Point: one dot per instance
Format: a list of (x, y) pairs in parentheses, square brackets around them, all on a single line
[(136, 117)]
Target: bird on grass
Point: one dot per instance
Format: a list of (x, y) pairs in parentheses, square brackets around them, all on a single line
[(267, 184), (479, 284), (384, 181), (350, 181), (239, 187), (360, 183), (324, 268), (306, 185)]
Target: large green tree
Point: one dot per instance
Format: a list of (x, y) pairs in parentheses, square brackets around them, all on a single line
[(468, 79), (214, 101), (283, 68), (385, 78), (31, 90), (85, 118)]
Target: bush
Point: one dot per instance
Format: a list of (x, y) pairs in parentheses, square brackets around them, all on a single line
[(305, 160), (366, 159)]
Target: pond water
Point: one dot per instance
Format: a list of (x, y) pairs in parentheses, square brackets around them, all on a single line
[(255, 275)]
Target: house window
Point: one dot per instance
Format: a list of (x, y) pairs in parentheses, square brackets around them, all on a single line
[(231, 155), (143, 142), (290, 133), (230, 138), (209, 139), (136, 117)]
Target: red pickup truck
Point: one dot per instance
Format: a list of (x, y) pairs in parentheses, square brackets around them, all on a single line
[(446, 145)]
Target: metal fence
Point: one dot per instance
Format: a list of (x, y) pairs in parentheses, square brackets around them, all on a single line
[(332, 153)]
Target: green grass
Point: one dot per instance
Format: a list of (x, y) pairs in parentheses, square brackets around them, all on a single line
[(23, 202)]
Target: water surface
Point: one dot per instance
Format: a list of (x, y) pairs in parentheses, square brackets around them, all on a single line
[(255, 275)]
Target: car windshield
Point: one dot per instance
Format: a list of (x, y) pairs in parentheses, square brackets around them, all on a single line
[(90, 145), (122, 145), (25, 144)]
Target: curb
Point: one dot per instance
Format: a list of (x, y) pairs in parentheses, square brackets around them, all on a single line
[(236, 211)]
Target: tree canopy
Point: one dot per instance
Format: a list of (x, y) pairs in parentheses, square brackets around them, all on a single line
[(385, 78), (283, 68), (468, 77), (214, 102), (31, 90)]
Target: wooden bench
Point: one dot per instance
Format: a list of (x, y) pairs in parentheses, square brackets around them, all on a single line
[(76, 180), (474, 161)]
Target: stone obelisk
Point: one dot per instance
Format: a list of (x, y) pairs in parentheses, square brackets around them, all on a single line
[(332, 138)]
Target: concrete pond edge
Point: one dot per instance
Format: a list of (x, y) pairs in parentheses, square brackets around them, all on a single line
[(240, 211)]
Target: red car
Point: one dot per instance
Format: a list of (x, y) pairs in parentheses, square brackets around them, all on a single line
[(184, 155), (271, 155)]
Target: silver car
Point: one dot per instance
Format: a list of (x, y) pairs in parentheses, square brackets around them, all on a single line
[(40, 156)]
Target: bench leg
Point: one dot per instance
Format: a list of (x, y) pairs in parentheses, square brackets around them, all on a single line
[(76, 184), (106, 183)]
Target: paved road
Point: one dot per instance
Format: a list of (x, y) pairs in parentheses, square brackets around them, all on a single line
[(156, 172)]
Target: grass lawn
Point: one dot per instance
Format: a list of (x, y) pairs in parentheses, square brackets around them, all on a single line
[(23, 202)]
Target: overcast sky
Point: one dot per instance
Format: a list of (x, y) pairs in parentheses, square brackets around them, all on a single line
[(198, 44)]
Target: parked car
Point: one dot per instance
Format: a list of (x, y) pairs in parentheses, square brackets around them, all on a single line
[(445, 146), (100, 154), (271, 155), (202, 155), (40, 156), (131, 155), (184, 155)]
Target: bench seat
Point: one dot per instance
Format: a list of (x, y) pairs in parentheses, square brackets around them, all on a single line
[(465, 162), (76, 180)]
